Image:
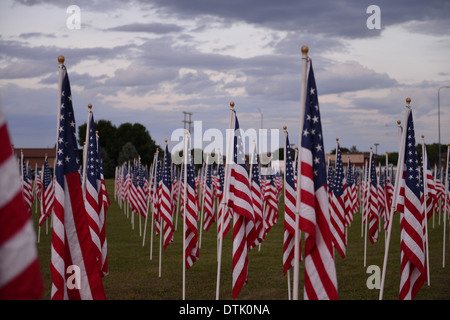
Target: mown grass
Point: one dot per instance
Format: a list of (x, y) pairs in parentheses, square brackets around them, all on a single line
[(133, 276)]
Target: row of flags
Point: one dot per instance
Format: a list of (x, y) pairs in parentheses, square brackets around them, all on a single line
[(319, 202)]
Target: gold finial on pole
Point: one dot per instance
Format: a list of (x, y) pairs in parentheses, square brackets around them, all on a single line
[(423, 136), (61, 59), (305, 50), (232, 104)]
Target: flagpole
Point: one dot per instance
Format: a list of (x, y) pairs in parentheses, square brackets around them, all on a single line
[(224, 199), (425, 198), (305, 60), (445, 205), (184, 210), (400, 160), (284, 195), (155, 164), (366, 205)]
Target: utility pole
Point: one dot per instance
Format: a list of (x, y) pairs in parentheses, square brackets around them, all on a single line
[(187, 121)]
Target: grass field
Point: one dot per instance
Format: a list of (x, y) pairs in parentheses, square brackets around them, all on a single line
[(133, 276)]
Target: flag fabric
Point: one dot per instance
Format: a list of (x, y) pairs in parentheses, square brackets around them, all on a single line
[(320, 270), (92, 184), (337, 206), (240, 202), (27, 186), (47, 193), (103, 192), (227, 215), (209, 215), (372, 202), (166, 200), (270, 204), (350, 203), (413, 269), (73, 250), (190, 215), (429, 185), (20, 274), (289, 210), (257, 201), (103, 203)]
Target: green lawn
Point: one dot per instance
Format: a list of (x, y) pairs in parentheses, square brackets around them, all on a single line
[(133, 276)]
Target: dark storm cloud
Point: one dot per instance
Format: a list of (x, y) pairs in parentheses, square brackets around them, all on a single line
[(157, 28), (335, 18)]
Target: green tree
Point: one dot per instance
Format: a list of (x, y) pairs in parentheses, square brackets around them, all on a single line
[(128, 153)]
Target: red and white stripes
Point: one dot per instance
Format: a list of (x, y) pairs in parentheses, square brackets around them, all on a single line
[(20, 276)]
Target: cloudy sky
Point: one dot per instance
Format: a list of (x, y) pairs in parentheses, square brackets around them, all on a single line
[(148, 61)]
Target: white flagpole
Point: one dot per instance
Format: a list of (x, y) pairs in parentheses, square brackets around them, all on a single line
[(153, 185), (304, 78), (446, 192), (398, 176), (367, 205), (224, 204), (185, 151), (425, 197), (284, 195)]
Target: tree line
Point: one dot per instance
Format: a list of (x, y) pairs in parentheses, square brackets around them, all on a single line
[(120, 144)]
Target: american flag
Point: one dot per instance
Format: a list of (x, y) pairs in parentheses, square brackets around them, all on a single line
[(350, 207), (337, 206), (92, 183), (241, 204), (47, 194), (289, 210), (320, 271), (209, 215), (191, 247), (166, 200), (72, 244), (389, 192), (27, 185), (429, 186), (103, 192), (372, 201), (103, 203), (270, 205), (221, 193), (20, 275), (413, 270), (257, 202), (141, 190)]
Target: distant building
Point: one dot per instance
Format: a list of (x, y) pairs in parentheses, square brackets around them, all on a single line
[(37, 156), (358, 159)]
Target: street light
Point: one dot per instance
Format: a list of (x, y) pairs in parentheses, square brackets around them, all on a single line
[(261, 117), (439, 124)]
